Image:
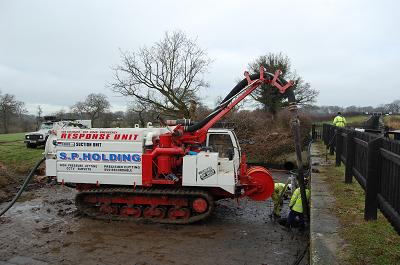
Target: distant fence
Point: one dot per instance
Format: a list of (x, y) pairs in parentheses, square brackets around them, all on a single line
[(375, 162), (316, 132)]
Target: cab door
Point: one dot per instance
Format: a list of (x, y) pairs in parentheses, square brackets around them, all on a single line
[(226, 145)]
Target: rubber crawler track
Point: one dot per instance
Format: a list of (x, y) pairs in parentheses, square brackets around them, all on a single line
[(92, 210)]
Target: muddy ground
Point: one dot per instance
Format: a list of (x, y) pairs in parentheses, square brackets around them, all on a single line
[(46, 227)]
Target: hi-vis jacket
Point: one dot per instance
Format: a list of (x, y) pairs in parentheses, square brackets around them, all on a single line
[(339, 121), (295, 202), (278, 189)]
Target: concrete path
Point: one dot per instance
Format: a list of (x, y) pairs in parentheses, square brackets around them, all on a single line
[(325, 242)]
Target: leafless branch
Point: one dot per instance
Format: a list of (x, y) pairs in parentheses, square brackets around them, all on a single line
[(166, 76)]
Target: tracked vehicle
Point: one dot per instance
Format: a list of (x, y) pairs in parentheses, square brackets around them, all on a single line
[(170, 174)]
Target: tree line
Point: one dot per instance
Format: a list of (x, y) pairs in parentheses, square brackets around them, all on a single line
[(392, 108), (11, 113)]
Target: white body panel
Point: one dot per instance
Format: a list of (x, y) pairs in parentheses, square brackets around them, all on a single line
[(51, 167), (103, 156), (100, 178), (114, 156), (96, 146), (110, 168), (206, 169)]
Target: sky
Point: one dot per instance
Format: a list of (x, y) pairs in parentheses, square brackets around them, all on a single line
[(55, 53)]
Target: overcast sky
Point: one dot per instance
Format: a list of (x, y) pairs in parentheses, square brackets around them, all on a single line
[(54, 53)]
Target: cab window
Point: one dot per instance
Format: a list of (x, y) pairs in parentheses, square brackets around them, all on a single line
[(222, 144), (46, 126)]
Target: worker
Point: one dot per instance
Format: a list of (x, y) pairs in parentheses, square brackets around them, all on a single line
[(296, 209), (277, 198), (339, 120)]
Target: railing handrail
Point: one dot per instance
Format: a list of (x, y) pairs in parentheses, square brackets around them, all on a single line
[(374, 161)]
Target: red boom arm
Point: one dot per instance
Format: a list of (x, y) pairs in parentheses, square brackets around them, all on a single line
[(199, 136)]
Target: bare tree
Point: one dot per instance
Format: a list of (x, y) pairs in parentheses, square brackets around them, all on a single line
[(165, 76), (93, 107), (268, 96), (140, 109), (10, 107)]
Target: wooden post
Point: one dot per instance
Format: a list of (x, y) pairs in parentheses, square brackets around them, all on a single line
[(372, 179), (397, 136), (351, 152), (339, 146), (313, 134), (295, 122), (332, 139), (325, 134)]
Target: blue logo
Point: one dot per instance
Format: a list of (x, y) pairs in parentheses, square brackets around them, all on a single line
[(100, 157)]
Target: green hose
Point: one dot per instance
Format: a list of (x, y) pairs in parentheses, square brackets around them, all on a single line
[(26, 182)]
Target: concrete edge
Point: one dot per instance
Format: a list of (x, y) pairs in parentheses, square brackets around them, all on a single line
[(325, 241)]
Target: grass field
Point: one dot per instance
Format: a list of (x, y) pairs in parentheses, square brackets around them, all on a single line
[(14, 156), (359, 119), (393, 121), (351, 120), (11, 137), (373, 242)]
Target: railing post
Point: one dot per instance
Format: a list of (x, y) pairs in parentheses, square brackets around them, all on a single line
[(351, 153), (331, 140), (313, 133), (339, 146), (396, 136), (372, 179)]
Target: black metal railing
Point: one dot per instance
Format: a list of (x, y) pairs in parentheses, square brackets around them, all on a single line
[(374, 161)]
